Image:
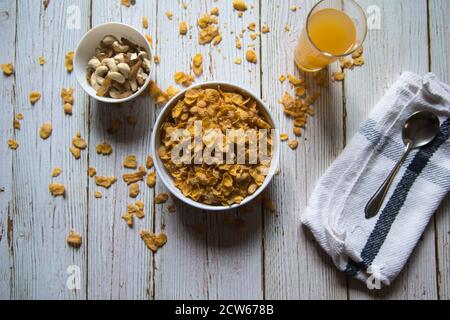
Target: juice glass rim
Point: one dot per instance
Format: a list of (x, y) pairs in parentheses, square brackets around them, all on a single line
[(330, 54)]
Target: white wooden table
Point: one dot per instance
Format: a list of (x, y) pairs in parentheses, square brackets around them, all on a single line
[(267, 256)]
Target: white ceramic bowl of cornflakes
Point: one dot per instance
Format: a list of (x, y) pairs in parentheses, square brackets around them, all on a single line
[(176, 179)]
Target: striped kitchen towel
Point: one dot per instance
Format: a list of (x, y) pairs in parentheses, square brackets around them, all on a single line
[(379, 248)]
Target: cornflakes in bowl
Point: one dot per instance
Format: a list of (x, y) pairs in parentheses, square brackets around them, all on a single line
[(215, 146)]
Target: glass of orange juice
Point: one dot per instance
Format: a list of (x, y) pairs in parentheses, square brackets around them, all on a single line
[(334, 29)]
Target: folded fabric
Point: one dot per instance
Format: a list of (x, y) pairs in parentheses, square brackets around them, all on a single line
[(379, 247)]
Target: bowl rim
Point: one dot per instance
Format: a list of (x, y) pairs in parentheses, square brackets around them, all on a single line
[(169, 184), (81, 78)]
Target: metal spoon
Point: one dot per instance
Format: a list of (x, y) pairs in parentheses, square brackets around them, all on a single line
[(419, 130)]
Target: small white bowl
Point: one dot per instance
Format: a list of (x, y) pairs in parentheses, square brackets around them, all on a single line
[(86, 50), (165, 176)]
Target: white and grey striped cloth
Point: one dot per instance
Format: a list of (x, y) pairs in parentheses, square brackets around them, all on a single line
[(380, 247)]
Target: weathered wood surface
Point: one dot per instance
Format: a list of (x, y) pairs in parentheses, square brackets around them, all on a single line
[(208, 255)]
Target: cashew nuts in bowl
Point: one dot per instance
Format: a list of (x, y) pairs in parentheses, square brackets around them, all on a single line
[(112, 62)]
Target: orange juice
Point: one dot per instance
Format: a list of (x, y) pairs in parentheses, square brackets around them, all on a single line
[(329, 34)]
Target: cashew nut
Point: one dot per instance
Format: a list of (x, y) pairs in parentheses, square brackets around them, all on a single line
[(146, 64), (94, 83), (101, 71), (111, 64), (124, 69), (116, 76), (119, 48), (94, 63), (109, 40), (119, 95), (133, 85), (119, 58)]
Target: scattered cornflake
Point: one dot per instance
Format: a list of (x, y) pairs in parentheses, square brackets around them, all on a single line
[(282, 78), (149, 39), (161, 198), (265, 29), (67, 108), (75, 152), (294, 8), (149, 162), (157, 93), (115, 126), (183, 78), (19, 116), (105, 182), (300, 91), (197, 64), (251, 57), (338, 76), (56, 172), (67, 95), (171, 208), (128, 218), (42, 60), (145, 22), (253, 36), (69, 61), (215, 11), (7, 69), (79, 142), (295, 81), (358, 53), (74, 239), (126, 3), (217, 39), (297, 131), (287, 28), (238, 60), (13, 144), (238, 43), (151, 179), (184, 5), (56, 189), (45, 130), (239, 5), (346, 63), (293, 144), (132, 120), (359, 61), (130, 162), (16, 124), (98, 194), (104, 148), (153, 241), (251, 26), (134, 190), (156, 59), (284, 137), (92, 172), (139, 175), (169, 15), (139, 212), (172, 91), (34, 96), (208, 29), (183, 28)]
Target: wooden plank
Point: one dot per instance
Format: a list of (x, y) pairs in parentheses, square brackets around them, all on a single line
[(7, 96), (120, 266), (220, 261), (403, 27), (440, 65), (295, 266), (41, 223)]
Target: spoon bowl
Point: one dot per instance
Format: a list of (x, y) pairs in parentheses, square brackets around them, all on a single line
[(419, 130)]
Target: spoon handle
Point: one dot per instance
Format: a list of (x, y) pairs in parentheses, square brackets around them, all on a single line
[(374, 204)]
